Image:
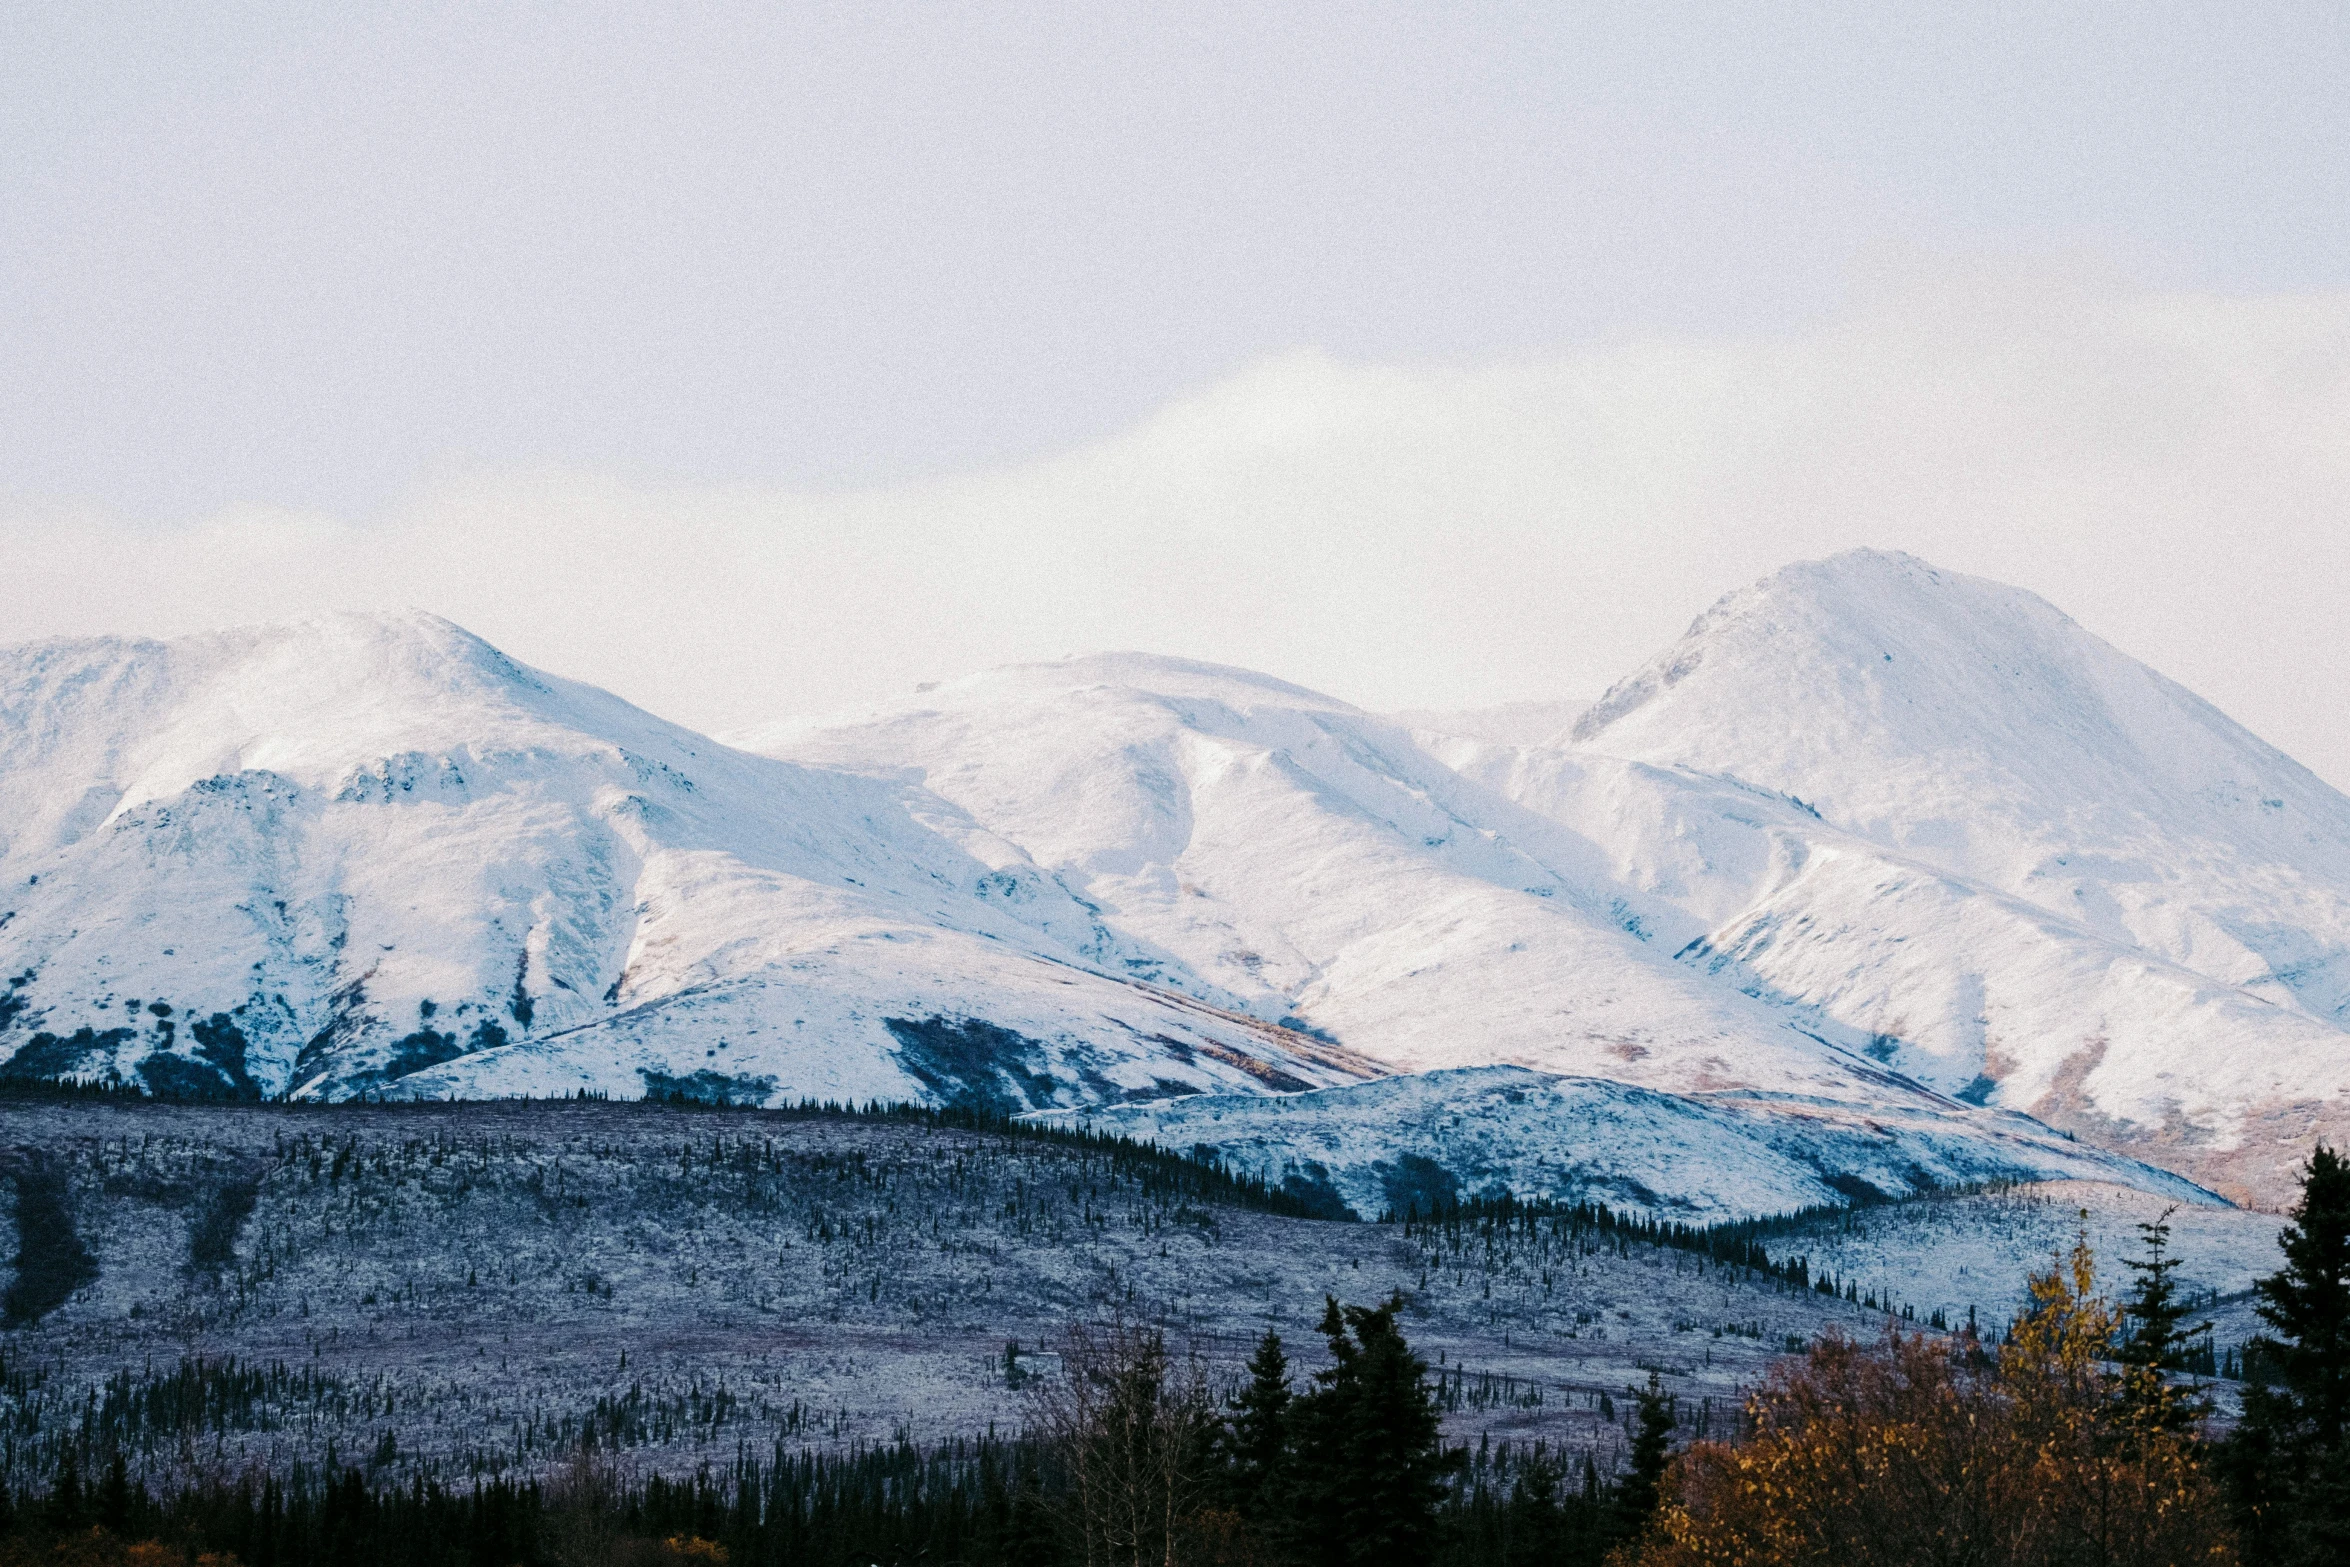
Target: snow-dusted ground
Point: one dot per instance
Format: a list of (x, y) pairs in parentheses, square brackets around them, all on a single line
[(474, 1279), (452, 1288), (1434, 1137), (1957, 1253)]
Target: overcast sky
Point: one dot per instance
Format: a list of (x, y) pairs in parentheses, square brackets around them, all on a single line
[(770, 358)]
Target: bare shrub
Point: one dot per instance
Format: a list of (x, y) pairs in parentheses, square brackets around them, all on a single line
[(583, 1513), (1133, 1428)]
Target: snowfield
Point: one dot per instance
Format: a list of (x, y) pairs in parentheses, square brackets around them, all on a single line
[(1882, 879), (2033, 871)]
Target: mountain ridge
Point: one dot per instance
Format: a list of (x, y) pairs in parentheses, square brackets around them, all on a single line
[(1871, 833), (371, 854)]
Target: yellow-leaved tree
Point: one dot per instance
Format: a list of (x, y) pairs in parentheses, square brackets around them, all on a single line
[(1940, 1453)]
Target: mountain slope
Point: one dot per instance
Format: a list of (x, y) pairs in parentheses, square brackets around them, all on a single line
[(1973, 727), (372, 854), (1296, 858), (1875, 838), (1435, 1137), (2037, 873)]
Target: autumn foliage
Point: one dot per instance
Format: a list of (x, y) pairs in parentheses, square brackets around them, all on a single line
[(1941, 1453), (97, 1548)]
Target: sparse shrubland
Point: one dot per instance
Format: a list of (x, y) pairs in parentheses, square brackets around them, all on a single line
[(462, 1292), (606, 1332)]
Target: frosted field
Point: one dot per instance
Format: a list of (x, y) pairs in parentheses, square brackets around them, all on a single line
[(467, 1288), (1953, 1253)]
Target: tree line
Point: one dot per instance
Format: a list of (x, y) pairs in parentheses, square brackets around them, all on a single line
[(1128, 1458), (1346, 1467), (2073, 1437)]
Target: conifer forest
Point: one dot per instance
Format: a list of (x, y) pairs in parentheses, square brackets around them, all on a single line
[(589, 1331)]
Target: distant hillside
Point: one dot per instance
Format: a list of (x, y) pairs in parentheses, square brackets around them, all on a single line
[(464, 1290)]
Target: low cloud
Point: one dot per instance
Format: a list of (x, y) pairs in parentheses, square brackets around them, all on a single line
[(2173, 470)]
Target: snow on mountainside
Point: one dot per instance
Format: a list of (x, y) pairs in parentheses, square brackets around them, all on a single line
[(2038, 874), (1874, 858), (1302, 860), (372, 854), (1426, 1140)]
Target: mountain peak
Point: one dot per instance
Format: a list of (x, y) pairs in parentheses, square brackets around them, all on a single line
[(345, 650), (1840, 618), (2006, 863), (1876, 686), (91, 725), (412, 642)]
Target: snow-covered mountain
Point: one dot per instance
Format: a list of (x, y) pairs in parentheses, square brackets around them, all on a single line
[(2034, 872), (1299, 860), (1871, 831), (1874, 859), (374, 855)]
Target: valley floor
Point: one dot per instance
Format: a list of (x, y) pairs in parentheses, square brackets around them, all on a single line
[(462, 1289)]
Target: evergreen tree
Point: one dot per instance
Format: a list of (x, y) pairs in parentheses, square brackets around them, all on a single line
[(1257, 1436), (114, 1497), (1028, 1531), (65, 1495), (2288, 1458), (1368, 1448), (1652, 1449), (2156, 1342), (1537, 1527)]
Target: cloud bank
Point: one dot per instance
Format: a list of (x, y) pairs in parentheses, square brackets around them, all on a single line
[(2174, 470)]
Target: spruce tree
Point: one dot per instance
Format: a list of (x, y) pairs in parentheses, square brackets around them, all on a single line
[(1537, 1523), (114, 1497), (65, 1495), (1028, 1536), (2156, 1342), (2288, 1457), (1257, 1437), (1652, 1450), (1370, 1462)]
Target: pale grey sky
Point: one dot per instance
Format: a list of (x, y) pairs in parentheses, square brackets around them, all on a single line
[(308, 254), (756, 358)]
